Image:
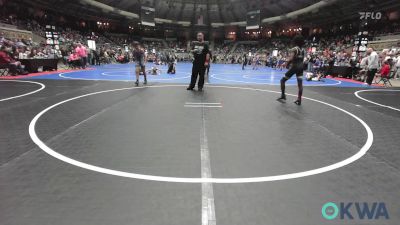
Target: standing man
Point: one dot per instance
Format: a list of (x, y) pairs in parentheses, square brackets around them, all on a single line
[(244, 61), (96, 58), (373, 64), (201, 54), (397, 66), (140, 57), (296, 63)]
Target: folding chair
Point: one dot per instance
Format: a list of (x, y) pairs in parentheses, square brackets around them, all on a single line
[(386, 80), (4, 70)]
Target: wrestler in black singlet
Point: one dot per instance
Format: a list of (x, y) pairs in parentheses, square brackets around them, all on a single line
[(295, 67)]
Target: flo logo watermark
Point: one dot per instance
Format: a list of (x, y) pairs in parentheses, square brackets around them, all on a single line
[(355, 210), (370, 15)]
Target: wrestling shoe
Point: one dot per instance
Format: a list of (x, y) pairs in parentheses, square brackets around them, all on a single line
[(297, 102), (282, 99)]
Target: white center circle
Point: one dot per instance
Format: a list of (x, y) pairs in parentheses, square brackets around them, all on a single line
[(42, 86), (48, 150)]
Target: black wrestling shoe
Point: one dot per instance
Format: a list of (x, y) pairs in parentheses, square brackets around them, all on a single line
[(189, 89), (137, 83), (200, 89), (282, 98), (297, 102)]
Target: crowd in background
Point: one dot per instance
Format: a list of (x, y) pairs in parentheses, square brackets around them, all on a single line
[(322, 54)]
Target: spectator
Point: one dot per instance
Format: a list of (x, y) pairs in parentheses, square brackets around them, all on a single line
[(397, 65), (74, 60), (385, 70), (81, 51), (361, 76), (95, 58), (373, 64), (2, 38), (33, 54), (15, 67)]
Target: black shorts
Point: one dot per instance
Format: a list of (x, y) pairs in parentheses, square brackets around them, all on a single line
[(298, 70), (140, 66)]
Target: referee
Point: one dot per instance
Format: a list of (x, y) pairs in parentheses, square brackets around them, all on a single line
[(201, 53)]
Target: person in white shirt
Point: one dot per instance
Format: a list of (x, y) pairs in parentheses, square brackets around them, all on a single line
[(364, 62), (397, 65), (364, 68), (373, 65)]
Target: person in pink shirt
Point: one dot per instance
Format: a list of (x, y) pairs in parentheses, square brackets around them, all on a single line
[(77, 48), (74, 60), (82, 53), (77, 52)]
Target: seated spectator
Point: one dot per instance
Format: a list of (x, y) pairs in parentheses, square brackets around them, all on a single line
[(7, 61), (74, 61), (384, 72), (4, 41), (33, 54), (2, 38), (122, 58)]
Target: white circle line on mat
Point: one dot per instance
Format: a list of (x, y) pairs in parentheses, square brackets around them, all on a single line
[(375, 103), (62, 75), (250, 82), (42, 86), (364, 149)]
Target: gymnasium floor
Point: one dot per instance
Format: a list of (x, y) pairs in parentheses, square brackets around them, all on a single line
[(87, 147)]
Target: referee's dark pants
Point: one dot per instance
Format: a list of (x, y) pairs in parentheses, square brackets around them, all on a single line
[(198, 71), (370, 75)]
